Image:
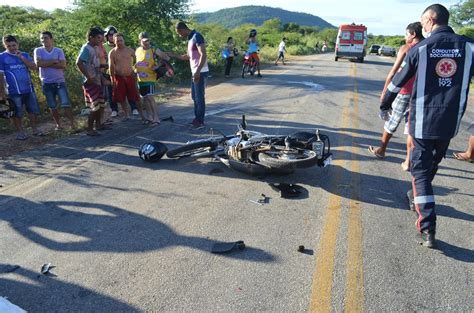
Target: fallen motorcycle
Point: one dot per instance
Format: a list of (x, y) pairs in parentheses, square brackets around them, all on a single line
[(257, 153)]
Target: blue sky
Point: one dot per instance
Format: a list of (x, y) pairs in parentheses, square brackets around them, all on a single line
[(382, 17)]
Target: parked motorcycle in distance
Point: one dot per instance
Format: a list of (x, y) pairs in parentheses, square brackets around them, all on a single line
[(249, 65)]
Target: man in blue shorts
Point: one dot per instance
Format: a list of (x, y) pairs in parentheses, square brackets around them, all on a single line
[(15, 69), (51, 63)]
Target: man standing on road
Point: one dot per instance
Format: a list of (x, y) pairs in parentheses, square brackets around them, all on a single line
[(197, 57), (15, 69), (51, 63), (124, 81), (108, 46), (443, 65), (145, 68), (281, 51), (88, 64)]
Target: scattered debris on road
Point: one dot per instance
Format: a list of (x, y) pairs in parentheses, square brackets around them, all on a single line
[(302, 249), (46, 268), (262, 200), (287, 190)]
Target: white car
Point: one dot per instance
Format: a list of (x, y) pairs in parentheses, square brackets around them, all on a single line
[(387, 51)]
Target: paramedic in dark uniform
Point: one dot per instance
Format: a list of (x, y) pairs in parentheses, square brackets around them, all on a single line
[(443, 65)]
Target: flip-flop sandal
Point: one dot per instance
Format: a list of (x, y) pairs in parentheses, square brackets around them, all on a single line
[(372, 151), (154, 124), (147, 122), (459, 157)]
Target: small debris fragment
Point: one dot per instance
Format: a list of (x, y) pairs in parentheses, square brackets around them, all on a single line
[(256, 202), (263, 199), (46, 268), (287, 190)]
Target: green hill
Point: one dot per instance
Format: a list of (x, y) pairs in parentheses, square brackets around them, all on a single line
[(233, 17)]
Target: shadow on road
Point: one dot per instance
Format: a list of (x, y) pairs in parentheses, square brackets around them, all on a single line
[(103, 227), (39, 293), (454, 252)]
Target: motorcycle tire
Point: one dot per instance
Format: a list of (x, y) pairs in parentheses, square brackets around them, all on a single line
[(280, 159), (195, 149), (244, 70)]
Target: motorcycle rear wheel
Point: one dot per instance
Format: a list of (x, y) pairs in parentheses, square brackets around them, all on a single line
[(195, 149), (280, 158)]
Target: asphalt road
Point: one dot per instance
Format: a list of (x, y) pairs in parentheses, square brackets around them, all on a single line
[(125, 235)]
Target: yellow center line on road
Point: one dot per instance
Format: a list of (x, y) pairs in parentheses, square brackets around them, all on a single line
[(354, 298), (323, 277)]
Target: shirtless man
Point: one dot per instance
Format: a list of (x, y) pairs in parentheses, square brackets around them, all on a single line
[(122, 75)]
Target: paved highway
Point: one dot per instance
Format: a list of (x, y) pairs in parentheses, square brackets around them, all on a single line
[(125, 235)]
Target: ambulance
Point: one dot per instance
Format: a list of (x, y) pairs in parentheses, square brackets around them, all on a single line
[(351, 42)]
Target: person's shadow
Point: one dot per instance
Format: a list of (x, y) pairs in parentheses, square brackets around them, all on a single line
[(103, 228), (49, 294)]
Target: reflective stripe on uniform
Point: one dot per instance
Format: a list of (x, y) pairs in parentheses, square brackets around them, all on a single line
[(420, 91), (392, 88), (424, 199)]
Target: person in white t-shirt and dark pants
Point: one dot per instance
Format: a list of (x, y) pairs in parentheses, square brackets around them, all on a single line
[(281, 51)]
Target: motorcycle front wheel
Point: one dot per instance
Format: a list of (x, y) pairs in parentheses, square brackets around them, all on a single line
[(199, 148), (245, 68), (281, 158)]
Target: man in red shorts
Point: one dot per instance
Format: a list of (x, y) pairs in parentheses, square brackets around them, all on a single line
[(124, 82)]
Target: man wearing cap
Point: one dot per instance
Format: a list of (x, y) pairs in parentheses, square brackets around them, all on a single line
[(145, 68), (197, 57)]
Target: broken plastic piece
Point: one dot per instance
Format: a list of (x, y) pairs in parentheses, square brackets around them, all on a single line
[(263, 199), (46, 268), (223, 247)]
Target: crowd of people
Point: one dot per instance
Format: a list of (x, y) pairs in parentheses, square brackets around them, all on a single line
[(112, 72)]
